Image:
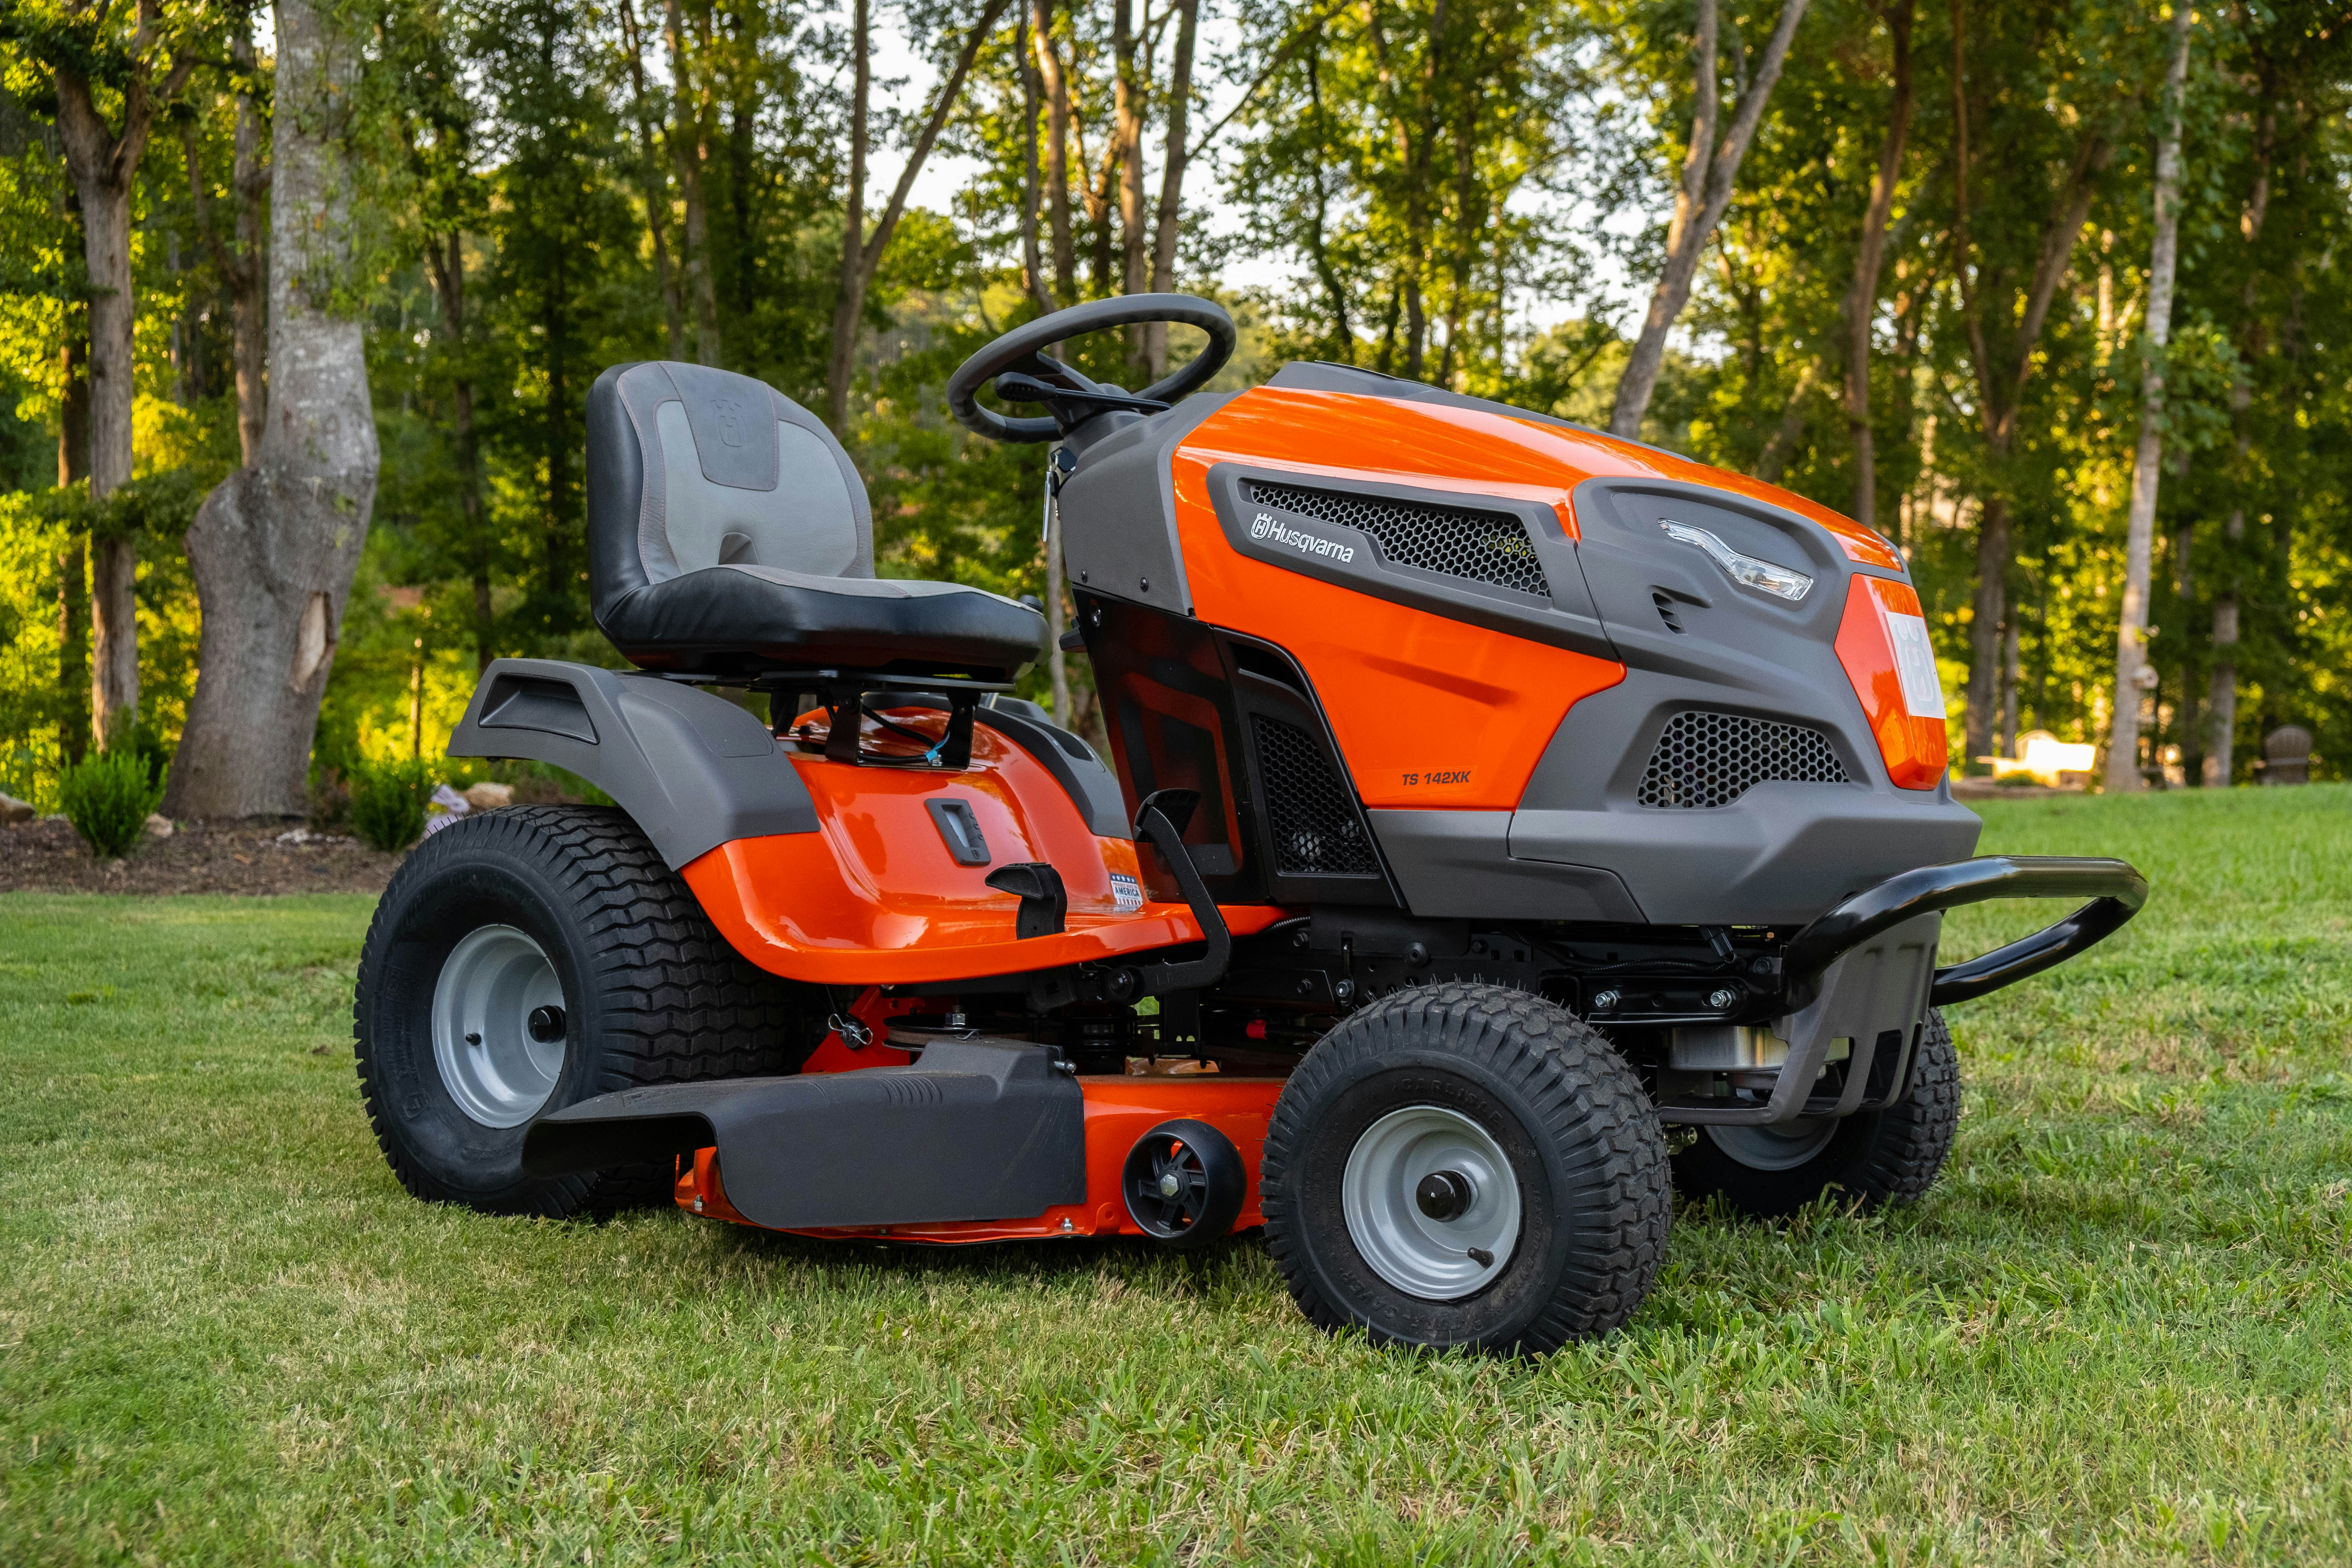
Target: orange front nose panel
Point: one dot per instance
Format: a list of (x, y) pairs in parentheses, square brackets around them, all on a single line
[(1914, 745), (874, 897)]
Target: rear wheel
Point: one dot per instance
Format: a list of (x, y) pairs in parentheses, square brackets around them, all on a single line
[(1889, 1156), (528, 958), (1466, 1165)]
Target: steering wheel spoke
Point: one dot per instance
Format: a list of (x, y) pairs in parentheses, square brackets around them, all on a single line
[(1024, 373)]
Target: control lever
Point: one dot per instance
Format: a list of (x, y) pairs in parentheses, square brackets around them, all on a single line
[(1162, 820), (1044, 901)]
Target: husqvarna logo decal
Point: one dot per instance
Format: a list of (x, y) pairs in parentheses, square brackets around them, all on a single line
[(728, 415), (1264, 527)]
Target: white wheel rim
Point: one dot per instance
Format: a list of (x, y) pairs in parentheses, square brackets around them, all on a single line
[(1774, 1147), (489, 985), (1426, 1256)]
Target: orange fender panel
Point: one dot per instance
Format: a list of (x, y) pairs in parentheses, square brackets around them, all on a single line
[(873, 898)]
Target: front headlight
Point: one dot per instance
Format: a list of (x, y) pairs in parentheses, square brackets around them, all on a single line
[(1782, 581)]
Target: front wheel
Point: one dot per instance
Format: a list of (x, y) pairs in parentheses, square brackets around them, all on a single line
[(1466, 1165), (1889, 1156), (528, 958)]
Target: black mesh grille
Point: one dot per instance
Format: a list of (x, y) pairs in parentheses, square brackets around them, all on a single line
[(1713, 759), (1317, 831), (1482, 546)]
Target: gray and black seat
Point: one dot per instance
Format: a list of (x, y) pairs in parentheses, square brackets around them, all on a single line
[(727, 534)]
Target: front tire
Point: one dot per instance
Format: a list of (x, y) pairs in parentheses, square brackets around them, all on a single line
[(1466, 1165), (528, 958), (1889, 1156)]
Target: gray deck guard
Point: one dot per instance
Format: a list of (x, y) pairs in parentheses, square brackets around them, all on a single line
[(978, 1129), (690, 768)]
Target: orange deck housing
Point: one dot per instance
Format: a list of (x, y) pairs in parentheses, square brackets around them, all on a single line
[(1120, 1111)]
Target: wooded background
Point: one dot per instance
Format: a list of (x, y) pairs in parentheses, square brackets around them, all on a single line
[(298, 310)]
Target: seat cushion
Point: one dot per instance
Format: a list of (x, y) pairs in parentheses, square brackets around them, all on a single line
[(732, 619)]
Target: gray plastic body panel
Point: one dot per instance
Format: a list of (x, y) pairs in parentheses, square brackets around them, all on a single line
[(1092, 787), (977, 1129), (1458, 864), (691, 769), (1781, 853), (1119, 511)]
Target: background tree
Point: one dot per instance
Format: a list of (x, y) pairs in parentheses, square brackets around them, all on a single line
[(275, 546)]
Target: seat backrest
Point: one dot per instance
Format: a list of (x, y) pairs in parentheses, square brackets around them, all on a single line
[(690, 468)]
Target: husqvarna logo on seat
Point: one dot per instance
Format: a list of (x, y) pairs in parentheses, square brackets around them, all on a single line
[(1263, 526), (729, 416)]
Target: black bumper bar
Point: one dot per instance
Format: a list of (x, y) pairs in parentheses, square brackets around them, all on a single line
[(2115, 890)]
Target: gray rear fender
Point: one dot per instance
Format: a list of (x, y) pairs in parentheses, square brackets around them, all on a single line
[(691, 769)]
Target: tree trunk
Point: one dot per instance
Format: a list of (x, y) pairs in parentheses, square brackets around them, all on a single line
[(274, 546), (73, 564), (2011, 676), (861, 259), (2000, 385), (849, 301), (104, 165), (249, 309), (1989, 609), (1033, 261), (690, 150), (114, 563), (1861, 300), (1057, 152), (2139, 544), (446, 264), (1167, 227), (656, 193), (2219, 767), (1774, 459), (1708, 173), (1127, 111)]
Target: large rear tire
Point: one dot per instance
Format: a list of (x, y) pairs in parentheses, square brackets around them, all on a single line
[(1890, 1156), (528, 958), (1466, 1165)]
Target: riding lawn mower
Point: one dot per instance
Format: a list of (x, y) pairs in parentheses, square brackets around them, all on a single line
[(1505, 825)]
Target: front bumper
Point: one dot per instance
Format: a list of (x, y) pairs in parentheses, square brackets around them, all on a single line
[(1864, 974)]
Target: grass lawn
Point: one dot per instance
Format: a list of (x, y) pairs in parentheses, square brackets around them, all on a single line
[(2119, 1330)]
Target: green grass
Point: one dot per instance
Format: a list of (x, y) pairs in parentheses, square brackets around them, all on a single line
[(2120, 1329)]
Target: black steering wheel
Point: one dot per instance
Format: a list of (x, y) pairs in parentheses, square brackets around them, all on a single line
[(1022, 373)]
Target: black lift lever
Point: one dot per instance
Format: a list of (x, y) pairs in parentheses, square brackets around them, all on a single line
[(1161, 819)]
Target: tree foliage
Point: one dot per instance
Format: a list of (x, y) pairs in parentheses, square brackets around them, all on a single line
[(1470, 192)]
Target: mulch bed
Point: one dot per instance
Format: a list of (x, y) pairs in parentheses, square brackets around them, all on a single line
[(48, 857)]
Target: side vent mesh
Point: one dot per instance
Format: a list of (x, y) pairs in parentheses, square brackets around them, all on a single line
[(1713, 759), (1454, 542), (1317, 831)]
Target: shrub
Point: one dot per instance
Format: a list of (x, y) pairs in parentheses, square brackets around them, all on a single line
[(388, 802), (107, 796), (331, 800)]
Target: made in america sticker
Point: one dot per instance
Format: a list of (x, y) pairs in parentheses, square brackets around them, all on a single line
[(1127, 891)]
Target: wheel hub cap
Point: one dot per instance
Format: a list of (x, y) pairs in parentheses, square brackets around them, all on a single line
[(498, 1026), (1431, 1203)]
